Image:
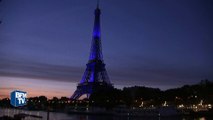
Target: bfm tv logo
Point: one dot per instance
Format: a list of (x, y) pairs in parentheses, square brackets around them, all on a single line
[(18, 98)]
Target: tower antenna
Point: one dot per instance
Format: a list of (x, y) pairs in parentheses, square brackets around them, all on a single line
[(98, 3)]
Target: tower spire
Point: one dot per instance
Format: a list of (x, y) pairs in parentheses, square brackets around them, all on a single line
[(96, 50), (98, 3)]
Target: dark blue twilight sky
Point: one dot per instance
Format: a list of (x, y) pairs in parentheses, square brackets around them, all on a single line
[(157, 43)]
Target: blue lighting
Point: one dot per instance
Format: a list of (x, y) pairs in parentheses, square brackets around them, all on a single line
[(95, 49), (95, 71), (83, 78), (95, 54), (92, 56), (92, 77), (96, 32)]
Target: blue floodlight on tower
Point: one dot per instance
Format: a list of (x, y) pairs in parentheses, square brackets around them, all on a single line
[(96, 52), (95, 75)]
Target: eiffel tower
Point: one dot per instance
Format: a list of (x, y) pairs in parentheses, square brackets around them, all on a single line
[(95, 76)]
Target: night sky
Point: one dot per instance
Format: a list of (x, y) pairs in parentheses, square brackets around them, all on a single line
[(45, 44)]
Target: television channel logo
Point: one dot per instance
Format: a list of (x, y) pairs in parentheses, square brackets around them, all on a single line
[(18, 98)]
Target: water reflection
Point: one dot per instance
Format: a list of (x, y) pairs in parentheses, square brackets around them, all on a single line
[(63, 116)]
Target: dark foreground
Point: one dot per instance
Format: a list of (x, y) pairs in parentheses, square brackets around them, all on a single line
[(92, 117), (15, 114)]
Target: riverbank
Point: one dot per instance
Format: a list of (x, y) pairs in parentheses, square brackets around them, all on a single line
[(141, 112)]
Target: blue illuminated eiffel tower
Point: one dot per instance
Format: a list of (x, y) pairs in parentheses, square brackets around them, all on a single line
[(95, 76)]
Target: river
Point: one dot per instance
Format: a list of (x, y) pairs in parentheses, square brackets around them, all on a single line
[(64, 116)]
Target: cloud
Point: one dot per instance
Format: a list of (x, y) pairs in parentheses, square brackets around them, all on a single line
[(132, 71), (137, 70), (39, 70)]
